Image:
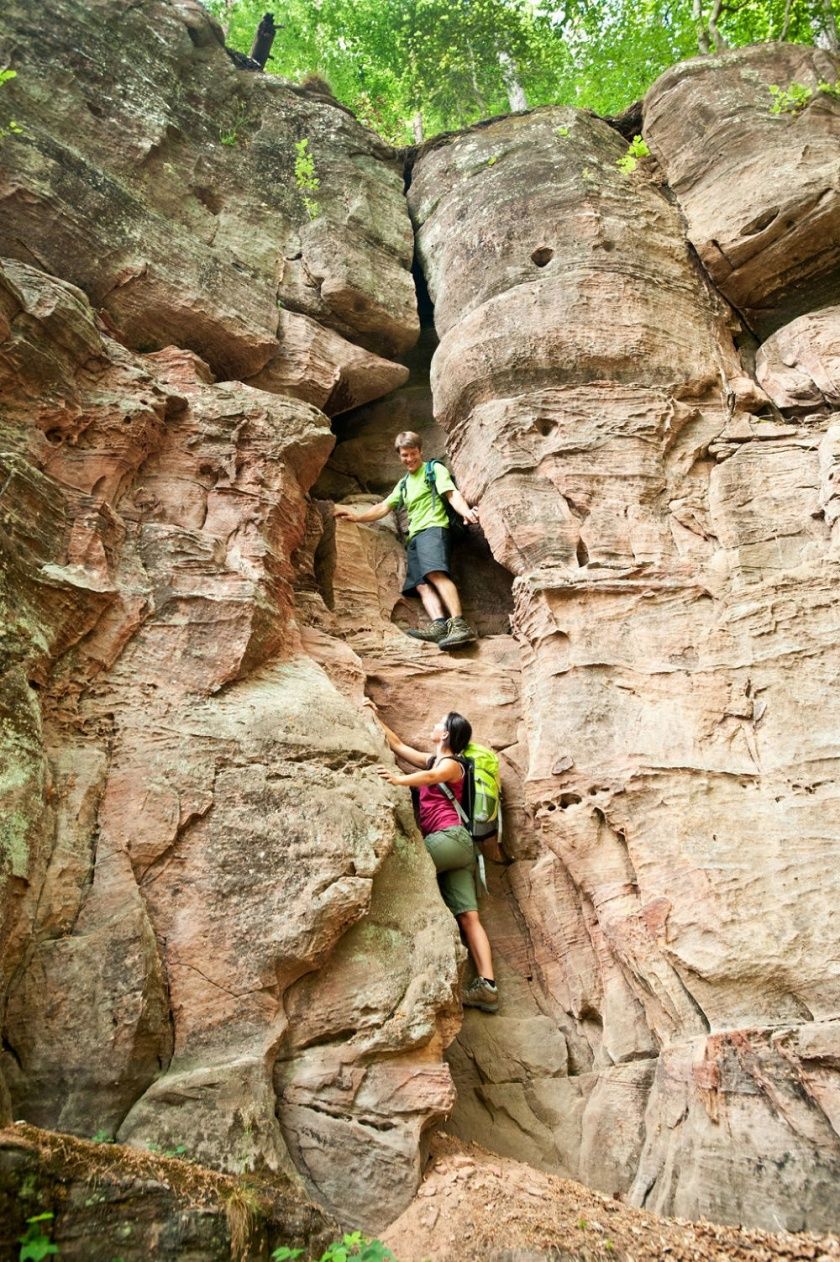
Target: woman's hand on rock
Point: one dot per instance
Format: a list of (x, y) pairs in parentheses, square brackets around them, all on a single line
[(388, 773)]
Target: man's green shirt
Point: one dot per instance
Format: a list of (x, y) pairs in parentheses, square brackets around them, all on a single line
[(424, 508)]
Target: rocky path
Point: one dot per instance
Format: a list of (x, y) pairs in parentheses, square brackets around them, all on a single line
[(476, 1207)]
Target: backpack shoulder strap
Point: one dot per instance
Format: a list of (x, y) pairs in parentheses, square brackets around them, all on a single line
[(402, 486), (447, 792)]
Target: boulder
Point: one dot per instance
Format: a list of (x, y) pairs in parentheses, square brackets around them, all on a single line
[(757, 185)]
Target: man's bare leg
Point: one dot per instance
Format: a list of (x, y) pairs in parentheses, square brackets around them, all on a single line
[(431, 600), (447, 591)]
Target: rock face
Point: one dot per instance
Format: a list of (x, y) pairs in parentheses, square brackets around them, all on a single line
[(220, 929), (758, 190), (161, 180), (669, 934), (96, 1198), (201, 871)]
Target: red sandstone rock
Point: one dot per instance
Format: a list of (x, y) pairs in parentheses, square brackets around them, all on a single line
[(758, 189)]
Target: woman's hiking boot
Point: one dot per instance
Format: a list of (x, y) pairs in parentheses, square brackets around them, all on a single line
[(436, 632), (459, 632), (481, 994)]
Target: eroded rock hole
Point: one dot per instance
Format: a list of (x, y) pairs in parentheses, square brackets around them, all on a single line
[(544, 254), (763, 221), (209, 199)]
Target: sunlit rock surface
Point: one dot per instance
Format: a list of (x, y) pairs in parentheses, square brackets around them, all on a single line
[(220, 928), (674, 937), (759, 190)]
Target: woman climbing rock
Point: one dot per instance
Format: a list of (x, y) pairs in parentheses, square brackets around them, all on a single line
[(448, 841)]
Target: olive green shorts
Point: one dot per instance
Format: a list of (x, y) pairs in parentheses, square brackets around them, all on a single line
[(453, 853)]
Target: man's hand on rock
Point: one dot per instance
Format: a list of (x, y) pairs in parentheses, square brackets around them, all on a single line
[(471, 516), (343, 510)]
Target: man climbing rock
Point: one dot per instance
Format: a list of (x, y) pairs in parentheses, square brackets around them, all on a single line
[(424, 492)]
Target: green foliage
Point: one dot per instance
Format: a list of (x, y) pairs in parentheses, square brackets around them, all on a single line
[(102, 1137), (11, 128), (36, 1244), (305, 178), (180, 1150), (352, 1247), (231, 135), (636, 150), (562, 132), (796, 96), (443, 64)]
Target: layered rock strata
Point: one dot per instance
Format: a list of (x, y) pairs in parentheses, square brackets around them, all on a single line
[(756, 175), (163, 181), (207, 892), (672, 535), (220, 930)]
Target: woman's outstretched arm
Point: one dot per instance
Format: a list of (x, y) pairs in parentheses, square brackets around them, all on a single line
[(407, 752), (445, 772)]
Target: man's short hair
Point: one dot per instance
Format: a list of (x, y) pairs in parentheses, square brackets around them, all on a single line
[(408, 439)]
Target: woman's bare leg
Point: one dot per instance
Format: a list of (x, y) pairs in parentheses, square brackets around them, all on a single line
[(477, 942)]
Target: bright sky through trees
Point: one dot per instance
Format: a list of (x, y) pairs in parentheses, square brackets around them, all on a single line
[(416, 67)]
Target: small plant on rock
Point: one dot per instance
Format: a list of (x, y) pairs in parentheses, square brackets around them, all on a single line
[(794, 98), (636, 150), (305, 178), (11, 128), (352, 1247), (36, 1244)]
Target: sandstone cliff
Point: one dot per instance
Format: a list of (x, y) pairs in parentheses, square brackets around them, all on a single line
[(220, 930)]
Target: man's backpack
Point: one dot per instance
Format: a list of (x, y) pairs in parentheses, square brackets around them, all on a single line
[(457, 525)]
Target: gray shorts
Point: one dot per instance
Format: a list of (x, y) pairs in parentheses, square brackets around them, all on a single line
[(427, 553)]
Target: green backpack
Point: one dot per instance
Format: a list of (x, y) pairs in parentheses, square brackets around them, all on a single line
[(481, 812), (486, 795)]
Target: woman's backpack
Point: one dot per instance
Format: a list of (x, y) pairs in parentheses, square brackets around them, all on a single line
[(481, 810)]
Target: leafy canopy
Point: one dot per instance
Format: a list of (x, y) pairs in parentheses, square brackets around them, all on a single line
[(407, 67)]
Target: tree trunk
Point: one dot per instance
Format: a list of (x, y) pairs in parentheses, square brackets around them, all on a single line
[(717, 39), (783, 33), (703, 44), (515, 91), (417, 127), (832, 36)]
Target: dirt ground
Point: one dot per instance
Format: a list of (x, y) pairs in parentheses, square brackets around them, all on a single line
[(473, 1205)]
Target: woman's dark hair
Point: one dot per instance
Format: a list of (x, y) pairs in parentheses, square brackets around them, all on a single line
[(458, 731)]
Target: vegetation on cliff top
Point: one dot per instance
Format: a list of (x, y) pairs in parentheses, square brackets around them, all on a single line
[(409, 68)]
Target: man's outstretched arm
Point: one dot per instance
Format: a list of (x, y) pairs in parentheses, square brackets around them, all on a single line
[(374, 513), (461, 506)]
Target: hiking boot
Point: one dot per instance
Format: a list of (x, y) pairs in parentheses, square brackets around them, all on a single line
[(481, 994), (435, 632), (459, 632)]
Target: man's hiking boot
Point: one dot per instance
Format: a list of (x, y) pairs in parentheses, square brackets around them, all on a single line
[(481, 994), (434, 633), (459, 632)]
